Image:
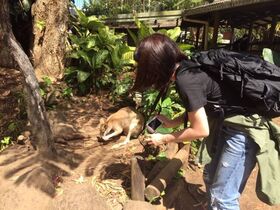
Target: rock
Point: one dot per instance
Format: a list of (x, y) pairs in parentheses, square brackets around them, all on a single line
[(20, 139), (26, 134)]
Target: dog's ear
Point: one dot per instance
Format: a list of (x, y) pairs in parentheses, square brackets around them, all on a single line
[(102, 121), (102, 125)]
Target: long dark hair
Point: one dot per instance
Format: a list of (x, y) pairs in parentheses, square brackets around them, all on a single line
[(156, 57)]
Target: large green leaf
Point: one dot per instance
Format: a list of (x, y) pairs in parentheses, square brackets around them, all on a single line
[(101, 56), (74, 55), (115, 57), (127, 58), (94, 23), (83, 19), (93, 61), (167, 102), (174, 33), (184, 47), (70, 70), (133, 36), (74, 39), (144, 29), (85, 56), (90, 43), (82, 76), (107, 36), (271, 56)]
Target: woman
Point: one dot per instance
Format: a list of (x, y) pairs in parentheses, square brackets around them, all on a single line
[(159, 62)]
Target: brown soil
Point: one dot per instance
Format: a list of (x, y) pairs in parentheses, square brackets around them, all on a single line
[(87, 174)]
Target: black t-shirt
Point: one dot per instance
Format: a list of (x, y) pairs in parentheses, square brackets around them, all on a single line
[(196, 88)]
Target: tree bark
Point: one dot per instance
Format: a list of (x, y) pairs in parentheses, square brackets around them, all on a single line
[(42, 134), (49, 43), (5, 58)]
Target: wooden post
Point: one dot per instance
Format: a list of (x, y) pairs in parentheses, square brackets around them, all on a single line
[(137, 179), (232, 37), (272, 30), (154, 189), (216, 30), (171, 150), (205, 36), (173, 193), (197, 36), (250, 32)]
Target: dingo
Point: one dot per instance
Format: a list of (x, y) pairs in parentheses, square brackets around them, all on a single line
[(127, 120)]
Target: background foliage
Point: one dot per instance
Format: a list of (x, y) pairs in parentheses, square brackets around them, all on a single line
[(98, 54), (113, 7)]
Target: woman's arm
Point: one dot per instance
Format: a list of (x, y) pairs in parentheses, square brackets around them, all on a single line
[(198, 128), (168, 123)]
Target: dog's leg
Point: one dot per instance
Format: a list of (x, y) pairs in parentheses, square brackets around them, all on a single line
[(127, 139), (117, 131), (108, 129)]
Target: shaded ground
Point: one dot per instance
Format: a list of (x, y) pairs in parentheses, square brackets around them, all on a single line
[(87, 174)]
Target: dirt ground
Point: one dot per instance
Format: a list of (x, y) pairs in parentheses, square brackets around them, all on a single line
[(87, 174)]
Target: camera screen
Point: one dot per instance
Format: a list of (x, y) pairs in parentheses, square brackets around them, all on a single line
[(154, 123)]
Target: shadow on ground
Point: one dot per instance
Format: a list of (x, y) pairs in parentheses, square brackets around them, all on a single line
[(24, 165)]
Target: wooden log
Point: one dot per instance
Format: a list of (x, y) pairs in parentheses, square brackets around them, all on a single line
[(171, 150), (154, 189), (173, 192), (137, 179), (155, 170)]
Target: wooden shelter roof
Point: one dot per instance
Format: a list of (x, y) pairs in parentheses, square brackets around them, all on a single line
[(162, 19), (237, 13)]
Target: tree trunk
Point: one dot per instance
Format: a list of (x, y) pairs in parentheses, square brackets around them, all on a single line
[(50, 18), (5, 58), (42, 135)]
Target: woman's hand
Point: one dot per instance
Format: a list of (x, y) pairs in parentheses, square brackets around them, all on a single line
[(155, 139)]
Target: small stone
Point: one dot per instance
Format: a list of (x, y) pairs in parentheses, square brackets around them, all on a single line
[(26, 134), (20, 139)]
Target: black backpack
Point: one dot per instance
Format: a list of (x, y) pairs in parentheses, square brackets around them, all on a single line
[(257, 80)]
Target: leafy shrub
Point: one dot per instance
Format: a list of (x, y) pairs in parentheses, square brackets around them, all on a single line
[(5, 142), (97, 54)]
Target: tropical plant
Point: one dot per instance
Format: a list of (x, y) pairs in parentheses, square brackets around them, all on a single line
[(5, 142), (97, 52), (169, 106), (145, 30)]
